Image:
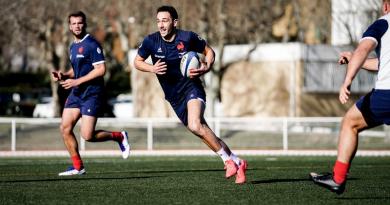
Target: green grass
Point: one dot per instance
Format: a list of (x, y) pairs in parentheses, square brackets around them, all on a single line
[(188, 180)]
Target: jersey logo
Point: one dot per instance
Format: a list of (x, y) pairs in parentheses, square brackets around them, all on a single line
[(81, 49), (159, 50), (159, 56), (180, 46), (98, 50)]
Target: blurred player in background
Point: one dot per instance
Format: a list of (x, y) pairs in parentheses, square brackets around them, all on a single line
[(186, 95), (84, 102), (371, 110)]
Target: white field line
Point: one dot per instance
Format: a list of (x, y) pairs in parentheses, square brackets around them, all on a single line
[(109, 153)]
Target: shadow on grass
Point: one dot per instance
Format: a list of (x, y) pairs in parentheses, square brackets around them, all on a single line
[(362, 198), (179, 171), (270, 181), (76, 178), (82, 178)]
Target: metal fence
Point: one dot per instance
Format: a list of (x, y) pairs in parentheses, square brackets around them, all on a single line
[(285, 133)]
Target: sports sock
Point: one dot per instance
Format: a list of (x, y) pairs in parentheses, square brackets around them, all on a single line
[(117, 136), (235, 158), (77, 162), (340, 171), (224, 156)]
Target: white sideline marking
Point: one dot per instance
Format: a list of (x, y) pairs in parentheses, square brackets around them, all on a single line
[(96, 153)]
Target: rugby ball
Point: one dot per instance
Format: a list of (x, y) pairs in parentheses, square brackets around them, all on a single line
[(189, 60)]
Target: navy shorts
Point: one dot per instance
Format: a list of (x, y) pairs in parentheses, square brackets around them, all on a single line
[(180, 105), (89, 105), (375, 107)]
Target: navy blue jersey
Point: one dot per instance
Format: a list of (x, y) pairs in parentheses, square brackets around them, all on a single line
[(83, 56), (379, 33), (172, 82)]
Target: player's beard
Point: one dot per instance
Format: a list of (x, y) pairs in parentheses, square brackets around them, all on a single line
[(80, 35), (169, 35)]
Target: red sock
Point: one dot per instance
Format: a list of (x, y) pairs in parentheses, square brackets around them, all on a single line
[(117, 136), (340, 171), (77, 162)]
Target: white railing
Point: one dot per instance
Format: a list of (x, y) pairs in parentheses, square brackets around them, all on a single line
[(285, 125)]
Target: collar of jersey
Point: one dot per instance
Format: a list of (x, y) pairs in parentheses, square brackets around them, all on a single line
[(86, 35)]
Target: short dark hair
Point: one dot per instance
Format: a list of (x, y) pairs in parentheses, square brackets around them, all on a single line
[(78, 14), (170, 9)]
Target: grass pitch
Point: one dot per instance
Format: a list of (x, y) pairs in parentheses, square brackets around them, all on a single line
[(188, 180)]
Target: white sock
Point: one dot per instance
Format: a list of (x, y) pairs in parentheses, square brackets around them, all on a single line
[(224, 156), (235, 158)]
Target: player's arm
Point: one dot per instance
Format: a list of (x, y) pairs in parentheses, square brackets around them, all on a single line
[(357, 60), (60, 76), (205, 65), (371, 64), (159, 67), (98, 71), (209, 57), (69, 74)]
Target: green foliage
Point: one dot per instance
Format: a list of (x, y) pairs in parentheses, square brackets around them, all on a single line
[(23, 82), (118, 83)]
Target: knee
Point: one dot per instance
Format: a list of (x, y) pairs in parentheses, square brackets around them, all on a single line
[(88, 136), (65, 130), (352, 124), (195, 127)]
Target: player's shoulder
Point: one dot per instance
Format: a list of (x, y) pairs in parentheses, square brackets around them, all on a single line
[(184, 33), (91, 41), (385, 17), (381, 25), (153, 36), (383, 21)]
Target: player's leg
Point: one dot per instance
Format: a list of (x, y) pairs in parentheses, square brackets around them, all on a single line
[(369, 111), (195, 109), (90, 110), (88, 132), (70, 117), (198, 126), (352, 123)]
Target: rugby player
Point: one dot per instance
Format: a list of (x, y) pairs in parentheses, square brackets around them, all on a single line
[(85, 79), (185, 95), (369, 111)]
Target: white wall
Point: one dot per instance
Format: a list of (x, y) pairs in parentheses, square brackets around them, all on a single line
[(352, 16)]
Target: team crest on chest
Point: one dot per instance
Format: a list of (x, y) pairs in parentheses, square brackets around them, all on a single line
[(81, 49), (180, 46), (80, 52)]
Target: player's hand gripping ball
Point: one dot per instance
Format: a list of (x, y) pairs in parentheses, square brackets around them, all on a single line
[(190, 60)]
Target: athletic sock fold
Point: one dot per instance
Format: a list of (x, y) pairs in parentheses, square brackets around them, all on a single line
[(77, 162), (340, 171), (117, 136), (224, 156), (235, 158)]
